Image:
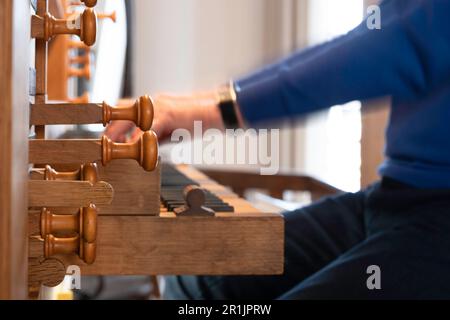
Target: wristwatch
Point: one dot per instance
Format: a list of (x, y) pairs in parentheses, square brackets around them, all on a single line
[(228, 106)]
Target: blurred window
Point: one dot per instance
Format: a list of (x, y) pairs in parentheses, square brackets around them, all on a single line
[(333, 142)]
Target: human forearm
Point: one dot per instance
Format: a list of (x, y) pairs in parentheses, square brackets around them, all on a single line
[(359, 65)]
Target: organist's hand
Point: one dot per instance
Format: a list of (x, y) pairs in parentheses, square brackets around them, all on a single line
[(181, 111), (119, 131)]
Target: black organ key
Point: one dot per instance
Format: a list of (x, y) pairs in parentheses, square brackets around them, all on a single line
[(173, 183)]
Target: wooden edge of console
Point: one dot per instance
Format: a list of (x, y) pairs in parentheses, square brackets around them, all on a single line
[(248, 244)]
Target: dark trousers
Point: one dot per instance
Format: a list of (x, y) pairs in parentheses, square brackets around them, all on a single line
[(403, 231)]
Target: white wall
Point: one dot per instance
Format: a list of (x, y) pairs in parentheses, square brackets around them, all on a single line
[(184, 45), (163, 53), (196, 44)]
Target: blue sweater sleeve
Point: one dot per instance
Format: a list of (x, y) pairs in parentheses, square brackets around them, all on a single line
[(408, 56)]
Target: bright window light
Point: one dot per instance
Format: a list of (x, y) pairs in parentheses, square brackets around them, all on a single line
[(335, 142)]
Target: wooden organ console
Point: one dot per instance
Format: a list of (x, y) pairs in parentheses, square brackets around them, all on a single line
[(109, 208)]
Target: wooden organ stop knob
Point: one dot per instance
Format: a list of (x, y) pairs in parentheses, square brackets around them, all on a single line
[(44, 193), (84, 26), (141, 113), (83, 223), (83, 59), (89, 3), (112, 16), (66, 246), (78, 45), (84, 72), (144, 151), (81, 99), (88, 172)]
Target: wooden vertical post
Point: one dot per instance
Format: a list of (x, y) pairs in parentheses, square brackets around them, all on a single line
[(41, 68), (14, 62)]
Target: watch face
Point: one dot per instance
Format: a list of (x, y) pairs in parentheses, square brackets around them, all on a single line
[(229, 116)]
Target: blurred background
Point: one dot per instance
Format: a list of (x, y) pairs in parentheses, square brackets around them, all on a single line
[(178, 46), (198, 44)]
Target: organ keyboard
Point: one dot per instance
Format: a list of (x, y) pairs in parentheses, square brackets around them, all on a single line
[(109, 208), (173, 185)]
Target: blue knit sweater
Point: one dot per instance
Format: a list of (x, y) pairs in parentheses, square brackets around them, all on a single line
[(407, 59)]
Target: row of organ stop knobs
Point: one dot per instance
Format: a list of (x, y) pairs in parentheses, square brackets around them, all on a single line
[(64, 232)]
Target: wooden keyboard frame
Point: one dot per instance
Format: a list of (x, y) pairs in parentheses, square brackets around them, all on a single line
[(247, 242)]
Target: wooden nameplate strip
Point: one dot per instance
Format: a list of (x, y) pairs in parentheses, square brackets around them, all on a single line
[(68, 193), (48, 114), (144, 151), (64, 151), (141, 113)]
